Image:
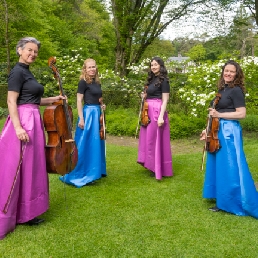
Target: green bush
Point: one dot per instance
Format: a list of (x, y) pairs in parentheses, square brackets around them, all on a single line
[(183, 126), (250, 123), (3, 112), (122, 121), (3, 95)]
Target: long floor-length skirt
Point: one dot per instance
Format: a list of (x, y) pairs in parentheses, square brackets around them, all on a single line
[(227, 177), (23, 192), (154, 151), (91, 163)]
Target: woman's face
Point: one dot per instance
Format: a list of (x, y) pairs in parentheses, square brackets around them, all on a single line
[(29, 53), (229, 73), (91, 68), (155, 67)]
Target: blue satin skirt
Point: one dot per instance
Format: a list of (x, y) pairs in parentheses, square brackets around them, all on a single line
[(227, 178), (91, 163)]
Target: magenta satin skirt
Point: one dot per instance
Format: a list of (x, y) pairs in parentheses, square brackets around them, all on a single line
[(154, 151), (25, 196)]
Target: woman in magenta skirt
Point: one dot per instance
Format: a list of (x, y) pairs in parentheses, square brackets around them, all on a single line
[(154, 151), (23, 176)]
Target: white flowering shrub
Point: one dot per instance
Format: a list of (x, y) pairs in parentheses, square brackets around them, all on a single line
[(201, 85)]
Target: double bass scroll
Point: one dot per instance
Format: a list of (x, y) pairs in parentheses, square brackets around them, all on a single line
[(61, 151)]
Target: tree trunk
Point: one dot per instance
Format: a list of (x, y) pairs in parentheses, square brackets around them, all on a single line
[(7, 37)]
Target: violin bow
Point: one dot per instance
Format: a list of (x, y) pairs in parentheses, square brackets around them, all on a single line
[(23, 147), (139, 117), (141, 107)]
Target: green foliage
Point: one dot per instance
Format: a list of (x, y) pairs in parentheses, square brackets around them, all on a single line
[(3, 95), (250, 123), (183, 126), (159, 47), (121, 121), (197, 53), (3, 112)]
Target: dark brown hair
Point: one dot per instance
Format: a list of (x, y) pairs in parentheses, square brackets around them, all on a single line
[(162, 73), (238, 80)]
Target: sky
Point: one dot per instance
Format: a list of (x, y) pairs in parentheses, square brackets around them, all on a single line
[(197, 25)]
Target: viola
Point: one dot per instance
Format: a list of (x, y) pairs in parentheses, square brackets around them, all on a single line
[(102, 130), (61, 151)]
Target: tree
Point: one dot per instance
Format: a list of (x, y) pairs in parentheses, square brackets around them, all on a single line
[(138, 22), (197, 53), (159, 47)]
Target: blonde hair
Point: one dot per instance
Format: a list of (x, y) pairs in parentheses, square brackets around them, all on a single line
[(85, 76)]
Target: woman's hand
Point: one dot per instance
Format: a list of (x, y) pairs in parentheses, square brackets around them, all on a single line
[(81, 123), (203, 135), (22, 134), (213, 112), (103, 107), (160, 121)]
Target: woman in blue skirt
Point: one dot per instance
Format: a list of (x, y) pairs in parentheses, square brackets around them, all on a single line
[(91, 163), (227, 178)]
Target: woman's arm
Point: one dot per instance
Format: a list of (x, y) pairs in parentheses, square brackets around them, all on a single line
[(79, 108), (13, 112), (240, 113), (50, 100), (165, 98)]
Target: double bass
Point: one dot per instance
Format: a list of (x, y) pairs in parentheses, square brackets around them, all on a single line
[(61, 151)]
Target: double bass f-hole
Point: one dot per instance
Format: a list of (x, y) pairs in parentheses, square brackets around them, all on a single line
[(61, 151)]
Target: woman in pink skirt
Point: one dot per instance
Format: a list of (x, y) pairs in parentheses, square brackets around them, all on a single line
[(23, 176), (154, 152)]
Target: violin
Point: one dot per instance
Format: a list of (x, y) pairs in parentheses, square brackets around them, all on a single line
[(61, 151), (212, 143), (143, 113), (144, 110), (102, 130), (212, 129)]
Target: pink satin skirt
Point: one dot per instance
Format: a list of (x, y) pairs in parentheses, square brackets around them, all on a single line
[(23, 189), (154, 150)]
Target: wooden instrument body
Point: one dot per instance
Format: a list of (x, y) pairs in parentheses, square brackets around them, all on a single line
[(61, 151)]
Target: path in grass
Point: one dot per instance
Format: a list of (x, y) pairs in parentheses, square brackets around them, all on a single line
[(180, 146)]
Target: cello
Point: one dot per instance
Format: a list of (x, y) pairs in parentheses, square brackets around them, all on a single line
[(61, 151)]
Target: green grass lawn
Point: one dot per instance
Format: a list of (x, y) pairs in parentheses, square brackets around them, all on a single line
[(130, 214)]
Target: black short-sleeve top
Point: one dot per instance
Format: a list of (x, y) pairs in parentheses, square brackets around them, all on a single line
[(91, 92), (155, 91), (21, 80), (231, 98)]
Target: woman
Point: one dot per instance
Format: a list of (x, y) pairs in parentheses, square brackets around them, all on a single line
[(154, 152), (227, 178), (91, 163), (24, 180)]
